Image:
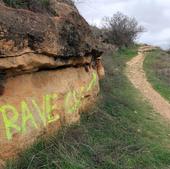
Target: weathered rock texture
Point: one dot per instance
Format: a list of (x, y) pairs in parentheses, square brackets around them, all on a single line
[(49, 66)]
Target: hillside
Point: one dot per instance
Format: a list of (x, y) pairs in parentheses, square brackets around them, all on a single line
[(122, 131), (78, 96), (157, 67), (137, 76)]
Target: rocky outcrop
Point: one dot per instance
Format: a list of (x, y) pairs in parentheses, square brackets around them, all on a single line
[(43, 41), (49, 70)]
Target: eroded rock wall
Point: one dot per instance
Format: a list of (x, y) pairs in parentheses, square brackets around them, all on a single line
[(37, 104), (50, 67)]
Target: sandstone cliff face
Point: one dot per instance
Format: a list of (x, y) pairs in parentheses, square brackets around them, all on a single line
[(49, 71), (43, 41)]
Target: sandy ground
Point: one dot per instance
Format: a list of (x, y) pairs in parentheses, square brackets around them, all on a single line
[(137, 76)]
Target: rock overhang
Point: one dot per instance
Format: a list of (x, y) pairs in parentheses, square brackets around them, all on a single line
[(49, 72)]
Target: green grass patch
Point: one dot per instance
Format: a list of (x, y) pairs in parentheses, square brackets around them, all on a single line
[(121, 132), (157, 68)]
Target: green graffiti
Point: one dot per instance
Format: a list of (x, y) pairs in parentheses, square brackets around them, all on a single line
[(75, 97), (10, 121), (27, 116), (50, 108), (92, 83), (67, 102), (41, 113), (72, 103)]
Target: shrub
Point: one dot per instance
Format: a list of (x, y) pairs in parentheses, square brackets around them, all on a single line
[(121, 30)]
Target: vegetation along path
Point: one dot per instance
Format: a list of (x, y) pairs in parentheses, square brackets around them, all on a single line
[(138, 78)]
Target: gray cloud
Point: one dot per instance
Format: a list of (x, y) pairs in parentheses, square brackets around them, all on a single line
[(154, 15)]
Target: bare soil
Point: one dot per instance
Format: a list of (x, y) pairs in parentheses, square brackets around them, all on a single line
[(136, 75)]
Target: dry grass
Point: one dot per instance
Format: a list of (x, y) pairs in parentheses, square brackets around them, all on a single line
[(157, 67), (121, 132)]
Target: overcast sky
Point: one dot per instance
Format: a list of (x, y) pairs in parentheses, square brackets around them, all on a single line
[(154, 15)]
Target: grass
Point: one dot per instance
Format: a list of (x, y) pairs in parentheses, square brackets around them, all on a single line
[(121, 132), (157, 67)]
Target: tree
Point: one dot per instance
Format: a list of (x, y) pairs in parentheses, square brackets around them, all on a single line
[(121, 30)]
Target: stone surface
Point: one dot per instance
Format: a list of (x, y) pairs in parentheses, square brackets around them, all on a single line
[(50, 67), (26, 33), (36, 104)]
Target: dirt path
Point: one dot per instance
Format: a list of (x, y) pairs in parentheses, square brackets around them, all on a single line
[(138, 78)]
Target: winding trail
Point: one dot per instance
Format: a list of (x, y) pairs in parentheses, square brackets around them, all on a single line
[(136, 75)]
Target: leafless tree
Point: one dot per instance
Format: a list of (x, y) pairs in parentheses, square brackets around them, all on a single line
[(121, 30)]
